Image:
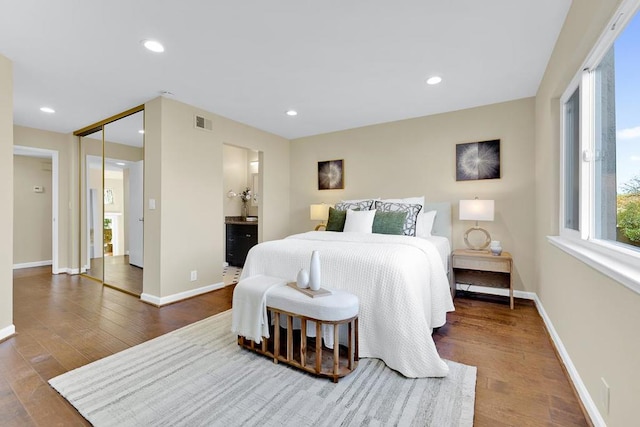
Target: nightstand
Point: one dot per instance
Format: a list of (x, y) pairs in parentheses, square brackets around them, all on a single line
[(483, 269)]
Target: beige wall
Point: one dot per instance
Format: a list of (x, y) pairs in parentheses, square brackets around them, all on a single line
[(184, 174), (417, 157), (6, 190), (32, 212), (596, 317)]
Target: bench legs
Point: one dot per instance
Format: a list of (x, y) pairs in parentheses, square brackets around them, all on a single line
[(335, 365)]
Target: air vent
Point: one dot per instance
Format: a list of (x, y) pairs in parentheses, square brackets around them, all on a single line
[(203, 123)]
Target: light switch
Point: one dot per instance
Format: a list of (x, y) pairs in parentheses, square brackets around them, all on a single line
[(38, 189), (152, 204)]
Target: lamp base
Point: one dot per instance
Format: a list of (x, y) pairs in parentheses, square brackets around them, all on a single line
[(481, 247), (319, 226)]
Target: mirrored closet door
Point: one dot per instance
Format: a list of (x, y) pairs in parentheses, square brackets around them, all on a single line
[(111, 186), (92, 212)]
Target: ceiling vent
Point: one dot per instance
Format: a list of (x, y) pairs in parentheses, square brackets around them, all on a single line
[(203, 123)]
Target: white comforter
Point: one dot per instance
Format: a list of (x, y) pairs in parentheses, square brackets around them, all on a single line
[(400, 281)]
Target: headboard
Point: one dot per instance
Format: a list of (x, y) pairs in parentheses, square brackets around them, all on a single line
[(442, 223)]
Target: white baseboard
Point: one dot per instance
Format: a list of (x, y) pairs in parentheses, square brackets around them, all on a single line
[(574, 376), (583, 393), (7, 332), (160, 301), (32, 264), (496, 291)]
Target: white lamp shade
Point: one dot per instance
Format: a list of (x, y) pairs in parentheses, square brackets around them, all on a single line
[(319, 212), (476, 210)]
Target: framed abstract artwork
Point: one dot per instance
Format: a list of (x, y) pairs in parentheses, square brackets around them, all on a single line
[(331, 175), (478, 160)]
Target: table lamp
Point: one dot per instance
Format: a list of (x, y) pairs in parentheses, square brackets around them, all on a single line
[(476, 210), (319, 212)]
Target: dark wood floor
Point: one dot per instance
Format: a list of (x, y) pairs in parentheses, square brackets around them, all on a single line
[(64, 322)]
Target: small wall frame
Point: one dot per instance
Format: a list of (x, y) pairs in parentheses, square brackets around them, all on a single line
[(478, 160), (331, 175)]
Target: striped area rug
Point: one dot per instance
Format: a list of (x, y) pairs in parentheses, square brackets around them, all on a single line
[(198, 376)]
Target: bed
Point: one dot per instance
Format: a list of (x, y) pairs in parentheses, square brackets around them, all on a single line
[(402, 283)]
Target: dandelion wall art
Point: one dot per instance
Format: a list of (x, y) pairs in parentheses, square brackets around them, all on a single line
[(478, 160), (331, 175)]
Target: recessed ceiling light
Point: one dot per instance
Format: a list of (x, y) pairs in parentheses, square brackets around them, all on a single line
[(47, 110), (120, 164), (292, 113), (153, 45), (141, 131), (434, 80)]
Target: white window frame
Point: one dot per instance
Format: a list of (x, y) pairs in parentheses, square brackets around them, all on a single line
[(617, 261), (576, 83)]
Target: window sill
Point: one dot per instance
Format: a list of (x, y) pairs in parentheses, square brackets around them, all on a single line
[(618, 265)]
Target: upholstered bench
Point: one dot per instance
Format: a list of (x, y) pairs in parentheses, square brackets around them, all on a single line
[(287, 307)]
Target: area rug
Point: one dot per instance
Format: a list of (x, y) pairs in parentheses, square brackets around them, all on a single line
[(198, 376)]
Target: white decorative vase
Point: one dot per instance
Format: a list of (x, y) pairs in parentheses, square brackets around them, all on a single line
[(303, 279), (314, 271), (495, 247)]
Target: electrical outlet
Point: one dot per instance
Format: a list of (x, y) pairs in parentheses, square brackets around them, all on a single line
[(194, 275), (604, 395)]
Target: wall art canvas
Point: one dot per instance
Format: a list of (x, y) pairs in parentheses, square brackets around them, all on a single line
[(331, 175), (478, 160)]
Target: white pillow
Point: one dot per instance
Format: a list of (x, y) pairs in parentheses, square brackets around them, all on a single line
[(359, 221), (424, 223), (407, 200)]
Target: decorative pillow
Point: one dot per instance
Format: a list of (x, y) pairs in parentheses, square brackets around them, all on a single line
[(412, 211), (424, 223), (336, 220), (359, 221), (407, 200), (389, 222), (359, 205)]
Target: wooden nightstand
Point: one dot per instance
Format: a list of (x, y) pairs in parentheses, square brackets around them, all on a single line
[(483, 269)]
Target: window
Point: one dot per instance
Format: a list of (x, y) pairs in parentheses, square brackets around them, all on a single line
[(600, 176), (572, 162)]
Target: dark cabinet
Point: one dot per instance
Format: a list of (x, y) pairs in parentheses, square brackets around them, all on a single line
[(240, 238)]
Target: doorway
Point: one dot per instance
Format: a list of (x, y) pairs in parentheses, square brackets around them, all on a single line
[(111, 205), (52, 157), (241, 206)]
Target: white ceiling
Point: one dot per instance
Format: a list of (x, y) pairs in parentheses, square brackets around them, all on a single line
[(340, 63)]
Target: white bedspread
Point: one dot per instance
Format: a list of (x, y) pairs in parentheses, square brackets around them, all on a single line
[(400, 281)]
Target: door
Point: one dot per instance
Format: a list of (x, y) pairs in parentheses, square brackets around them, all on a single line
[(136, 214), (107, 150), (91, 213)]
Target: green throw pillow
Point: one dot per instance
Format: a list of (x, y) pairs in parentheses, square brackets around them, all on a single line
[(336, 220), (389, 222)]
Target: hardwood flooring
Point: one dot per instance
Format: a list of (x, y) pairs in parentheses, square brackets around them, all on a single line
[(64, 322), (521, 381)]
